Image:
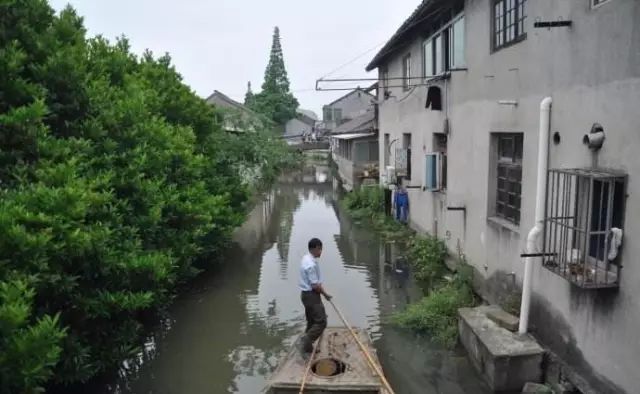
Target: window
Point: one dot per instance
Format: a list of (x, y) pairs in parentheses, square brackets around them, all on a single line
[(328, 114), (509, 177), (508, 22), (406, 72), (337, 115), (403, 157), (437, 42), (445, 49), (387, 147), (406, 144), (427, 60), (456, 44), (434, 98), (596, 3), (584, 218), (385, 83), (434, 171), (374, 154), (440, 145)]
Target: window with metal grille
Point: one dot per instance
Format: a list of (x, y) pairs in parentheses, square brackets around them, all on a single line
[(508, 22), (509, 182), (583, 226)]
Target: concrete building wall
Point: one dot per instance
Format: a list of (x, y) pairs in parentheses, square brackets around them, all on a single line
[(592, 72)]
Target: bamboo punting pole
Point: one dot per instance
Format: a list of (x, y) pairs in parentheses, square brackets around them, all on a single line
[(308, 368), (372, 363)]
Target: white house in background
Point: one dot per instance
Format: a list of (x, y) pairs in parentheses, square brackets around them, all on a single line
[(462, 83)]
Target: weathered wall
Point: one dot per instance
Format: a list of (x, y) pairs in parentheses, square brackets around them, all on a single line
[(592, 72)]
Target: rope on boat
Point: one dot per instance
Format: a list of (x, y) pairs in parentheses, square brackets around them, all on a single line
[(372, 363), (308, 368)]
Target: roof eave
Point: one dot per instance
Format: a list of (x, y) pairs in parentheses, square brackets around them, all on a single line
[(397, 40)]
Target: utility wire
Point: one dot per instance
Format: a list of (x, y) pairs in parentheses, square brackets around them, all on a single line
[(401, 30), (350, 62)]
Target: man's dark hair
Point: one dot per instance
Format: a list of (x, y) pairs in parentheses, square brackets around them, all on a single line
[(315, 243)]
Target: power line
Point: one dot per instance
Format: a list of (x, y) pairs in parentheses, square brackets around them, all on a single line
[(350, 62)]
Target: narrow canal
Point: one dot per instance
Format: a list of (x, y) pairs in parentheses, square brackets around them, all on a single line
[(228, 331)]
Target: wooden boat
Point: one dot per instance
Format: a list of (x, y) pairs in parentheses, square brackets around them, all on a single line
[(338, 366)]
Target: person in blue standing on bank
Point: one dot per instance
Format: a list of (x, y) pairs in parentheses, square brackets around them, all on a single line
[(311, 289), (401, 201)]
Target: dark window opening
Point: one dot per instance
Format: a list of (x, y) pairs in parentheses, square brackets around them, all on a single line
[(434, 98)]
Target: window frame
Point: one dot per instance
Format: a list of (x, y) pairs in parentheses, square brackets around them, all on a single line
[(518, 24), (508, 163), (406, 72), (384, 76), (452, 39), (446, 36), (595, 5), (431, 72), (337, 119), (327, 111)]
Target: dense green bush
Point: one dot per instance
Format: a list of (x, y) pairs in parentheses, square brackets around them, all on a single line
[(437, 313), (116, 179), (367, 203), (368, 200), (427, 256)]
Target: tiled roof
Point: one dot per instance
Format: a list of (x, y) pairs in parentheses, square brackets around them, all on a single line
[(421, 13), (359, 124)]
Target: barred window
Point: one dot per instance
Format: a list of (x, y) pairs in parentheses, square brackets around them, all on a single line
[(509, 185)]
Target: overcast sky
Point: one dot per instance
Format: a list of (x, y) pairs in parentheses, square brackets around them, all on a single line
[(222, 44)]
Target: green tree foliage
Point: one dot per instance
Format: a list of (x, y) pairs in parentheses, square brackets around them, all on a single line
[(276, 100), (249, 96), (116, 183)]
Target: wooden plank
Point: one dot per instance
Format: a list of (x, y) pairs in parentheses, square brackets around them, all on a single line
[(339, 344)]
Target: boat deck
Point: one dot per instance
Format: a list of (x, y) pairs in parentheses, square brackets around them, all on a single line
[(336, 343)]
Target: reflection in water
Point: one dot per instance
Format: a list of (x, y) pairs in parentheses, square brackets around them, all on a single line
[(227, 333)]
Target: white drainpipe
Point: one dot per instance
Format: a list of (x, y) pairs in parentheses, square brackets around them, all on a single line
[(541, 193)]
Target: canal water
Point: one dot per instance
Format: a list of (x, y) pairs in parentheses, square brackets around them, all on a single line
[(226, 333)]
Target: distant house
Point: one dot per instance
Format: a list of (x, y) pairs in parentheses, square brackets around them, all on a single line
[(354, 149), (346, 108), (237, 117), (302, 125)]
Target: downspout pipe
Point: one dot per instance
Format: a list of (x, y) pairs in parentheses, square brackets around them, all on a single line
[(541, 192)]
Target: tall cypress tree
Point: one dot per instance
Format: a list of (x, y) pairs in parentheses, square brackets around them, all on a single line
[(249, 97), (275, 100)]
